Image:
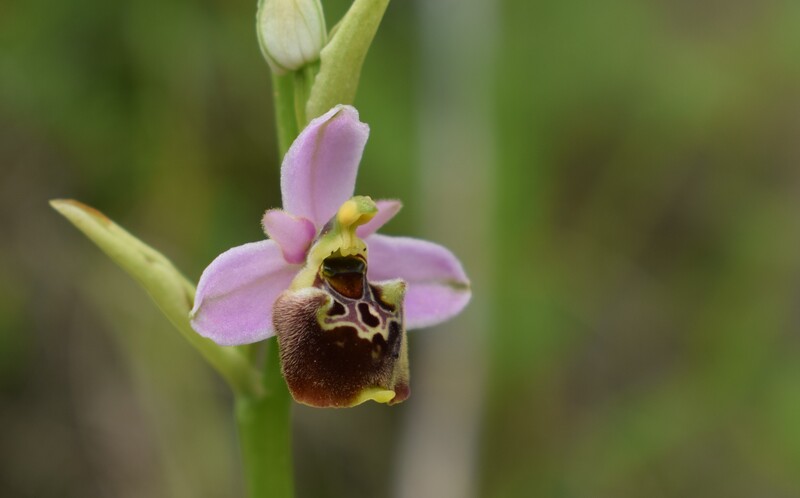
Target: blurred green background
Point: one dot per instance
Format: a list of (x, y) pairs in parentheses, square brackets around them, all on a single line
[(620, 179)]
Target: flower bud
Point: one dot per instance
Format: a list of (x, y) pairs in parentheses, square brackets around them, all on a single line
[(291, 32)]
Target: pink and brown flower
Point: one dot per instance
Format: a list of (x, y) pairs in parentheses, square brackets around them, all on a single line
[(338, 296)]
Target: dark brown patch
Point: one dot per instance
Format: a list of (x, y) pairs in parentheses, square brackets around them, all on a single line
[(394, 338), (366, 316), (329, 368), (346, 275), (337, 309)]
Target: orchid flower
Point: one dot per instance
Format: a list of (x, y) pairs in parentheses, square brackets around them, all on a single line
[(338, 296)]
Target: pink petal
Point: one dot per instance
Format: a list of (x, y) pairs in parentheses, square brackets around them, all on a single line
[(319, 170), (386, 211), (438, 288), (293, 234), (236, 292)]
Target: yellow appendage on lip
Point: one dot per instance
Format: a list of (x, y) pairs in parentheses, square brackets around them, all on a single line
[(375, 394)]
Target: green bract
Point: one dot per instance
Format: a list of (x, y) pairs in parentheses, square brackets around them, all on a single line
[(342, 57), (170, 290)]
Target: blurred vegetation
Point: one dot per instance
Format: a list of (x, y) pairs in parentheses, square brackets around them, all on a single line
[(644, 291)]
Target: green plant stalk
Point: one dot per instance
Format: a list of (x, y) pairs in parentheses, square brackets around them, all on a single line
[(303, 83), (284, 101), (264, 418), (264, 423)]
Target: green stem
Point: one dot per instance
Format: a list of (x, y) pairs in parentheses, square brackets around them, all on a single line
[(303, 82), (264, 424), (264, 417), (283, 94)]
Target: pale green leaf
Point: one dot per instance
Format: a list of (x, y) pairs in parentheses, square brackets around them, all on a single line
[(170, 290)]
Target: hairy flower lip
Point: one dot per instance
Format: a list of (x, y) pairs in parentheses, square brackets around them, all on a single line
[(340, 349)]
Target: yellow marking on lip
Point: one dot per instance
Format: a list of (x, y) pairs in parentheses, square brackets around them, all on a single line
[(375, 394)]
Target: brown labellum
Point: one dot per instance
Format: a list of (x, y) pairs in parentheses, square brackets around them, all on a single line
[(343, 341)]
